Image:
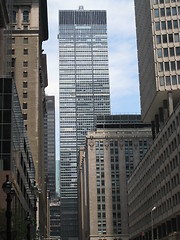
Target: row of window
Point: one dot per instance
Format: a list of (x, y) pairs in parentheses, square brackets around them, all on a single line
[(168, 11), (165, 1), (169, 80), (25, 15), (167, 38), (170, 24), (168, 52), (167, 66)]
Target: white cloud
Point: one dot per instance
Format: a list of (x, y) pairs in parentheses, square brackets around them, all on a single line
[(122, 47)]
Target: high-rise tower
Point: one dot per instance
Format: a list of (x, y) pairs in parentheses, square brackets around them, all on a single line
[(83, 93), (157, 24)]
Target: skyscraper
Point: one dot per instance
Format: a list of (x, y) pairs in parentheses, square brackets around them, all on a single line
[(83, 93), (157, 25), (49, 145)]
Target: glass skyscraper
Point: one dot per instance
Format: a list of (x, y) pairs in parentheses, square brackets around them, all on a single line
[(83, 93)]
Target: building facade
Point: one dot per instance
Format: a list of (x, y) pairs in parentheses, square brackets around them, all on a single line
[(55, 227), (29, 29), (49, 145), (159, 58), (16, 162), (154, 187), (111, 154), (83, 93)]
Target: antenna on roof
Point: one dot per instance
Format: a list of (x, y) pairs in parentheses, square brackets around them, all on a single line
[(81, 8)]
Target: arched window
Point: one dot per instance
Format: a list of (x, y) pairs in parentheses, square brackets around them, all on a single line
[(26, 16), (14, 17)]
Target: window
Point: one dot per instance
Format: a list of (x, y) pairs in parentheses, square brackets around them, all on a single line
[(163, 25), (169, 24), (170, 38), (177, 51), (164, 38), (25, 51), (26, 16), (168, 82), (25, 84), (156, 13), (161, 1), (173, 66), (168, 11), (158, 39), (13, 62), (155, 1), (25, 74), (166, 66), (165, 52), (13, 40), (174, 11), (25, 40), (24, 105), (161, 80), (159, 53), (175, 24), (167, 1), (25, 63), (24, 94), (174, 80), (176, 37), (25, 27), (162, 12), (14, 17), (160, 67), (157, 26), (24, 116), (13, 51), (171, 51), (178, 65)]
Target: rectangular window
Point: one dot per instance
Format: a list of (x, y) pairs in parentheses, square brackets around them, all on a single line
[(161, 80), (24, 105), (25, 40), (176, 37), (169, 24), (175, 24), (174, 80), (157, 26), (24, 94), (168, 82), (166, 66), (163, 25), (25, 51), (177, 51), (170, 38), (174, 11), (24, 116), (25, 74), (171, 51), (168, 11), (159, 53), (25, 63), (162, 12), (164, 38), (178, 65), (25, 84), (165, 52), (160, 67), (173, 66), (158, 39), (156, 13)]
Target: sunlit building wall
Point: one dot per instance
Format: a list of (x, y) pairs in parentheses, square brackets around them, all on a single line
[(83, 93)]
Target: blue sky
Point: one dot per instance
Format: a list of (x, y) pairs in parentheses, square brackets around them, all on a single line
[(123, 66)]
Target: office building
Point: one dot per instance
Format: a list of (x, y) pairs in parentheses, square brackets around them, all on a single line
[(55, 227), (157, 26), (49, 145), (109, 157), (29, 29), (154, 187), (83, 93), (16, 162)]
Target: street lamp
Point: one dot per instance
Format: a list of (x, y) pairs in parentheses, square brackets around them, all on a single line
[(28, 221), (152, 232), (8, 189)]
